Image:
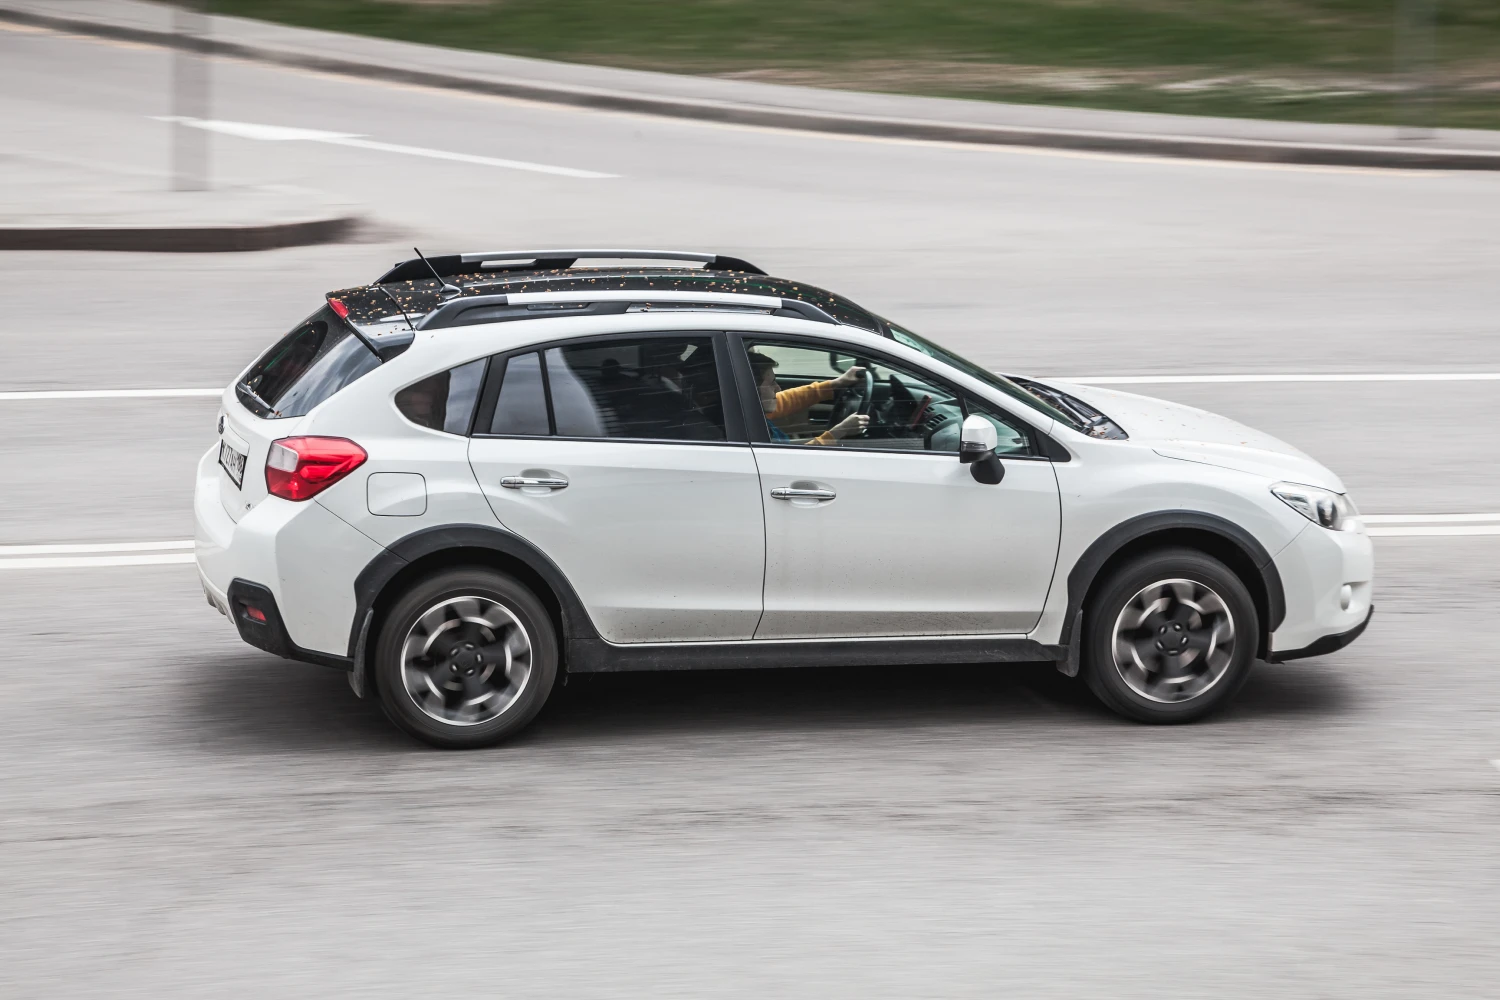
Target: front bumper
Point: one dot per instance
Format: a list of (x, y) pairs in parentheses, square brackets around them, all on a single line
[(1328, 583), (1324, 646)]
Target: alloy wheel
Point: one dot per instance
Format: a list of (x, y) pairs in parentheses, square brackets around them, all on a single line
[(1173, 641), (466, 660)]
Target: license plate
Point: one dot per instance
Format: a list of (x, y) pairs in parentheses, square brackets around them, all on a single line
[(233, 463)]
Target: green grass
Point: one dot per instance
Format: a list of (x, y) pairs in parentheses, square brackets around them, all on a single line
[(912, 45)]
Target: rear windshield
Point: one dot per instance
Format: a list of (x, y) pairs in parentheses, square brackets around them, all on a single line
[(307, 366)]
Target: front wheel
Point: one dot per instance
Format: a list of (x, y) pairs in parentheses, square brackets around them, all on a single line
[(465, 658), (1169, 637)]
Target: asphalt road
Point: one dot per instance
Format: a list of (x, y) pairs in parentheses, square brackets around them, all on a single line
[(184, 816)]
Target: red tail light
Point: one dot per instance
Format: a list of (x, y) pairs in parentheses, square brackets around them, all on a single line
[(302, 467)]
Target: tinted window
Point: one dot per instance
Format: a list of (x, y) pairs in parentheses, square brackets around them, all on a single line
[(445, 401), (666, 388), (306, 367), (522, 405)]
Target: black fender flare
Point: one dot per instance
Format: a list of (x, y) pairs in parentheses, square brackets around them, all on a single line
[(1084, 572), (372, 581)]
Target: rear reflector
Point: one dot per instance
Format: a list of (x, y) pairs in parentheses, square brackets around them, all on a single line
[(298, 468)]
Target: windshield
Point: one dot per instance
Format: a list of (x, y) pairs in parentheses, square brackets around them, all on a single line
[(307, 366), (984, 375)]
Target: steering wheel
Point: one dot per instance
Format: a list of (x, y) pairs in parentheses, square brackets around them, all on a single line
[(853, 399)]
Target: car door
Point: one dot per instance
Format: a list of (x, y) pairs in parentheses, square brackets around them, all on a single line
[(882, 531), (616, 457)]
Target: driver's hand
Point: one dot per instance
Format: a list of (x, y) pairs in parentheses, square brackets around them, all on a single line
[(853, 375), (854, 423)]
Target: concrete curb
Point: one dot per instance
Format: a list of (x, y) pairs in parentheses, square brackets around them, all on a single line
[(1177, 146), (181, 239)]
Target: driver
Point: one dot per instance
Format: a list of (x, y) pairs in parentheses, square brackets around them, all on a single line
[(782, 402)]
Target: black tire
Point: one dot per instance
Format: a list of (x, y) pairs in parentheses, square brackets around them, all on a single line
[(1145, 695), (450, 589)]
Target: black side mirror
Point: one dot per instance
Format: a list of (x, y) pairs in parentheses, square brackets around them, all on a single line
[(977, 440)]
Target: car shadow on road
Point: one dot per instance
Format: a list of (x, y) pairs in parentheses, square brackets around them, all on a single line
[(261, 704), (254, 702)]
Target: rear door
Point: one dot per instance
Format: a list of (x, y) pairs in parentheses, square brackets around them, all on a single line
[(615, 456)]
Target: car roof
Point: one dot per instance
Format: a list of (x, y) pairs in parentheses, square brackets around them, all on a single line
[(383, 301)]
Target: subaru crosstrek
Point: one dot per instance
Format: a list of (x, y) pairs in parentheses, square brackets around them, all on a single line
[(484, 470)]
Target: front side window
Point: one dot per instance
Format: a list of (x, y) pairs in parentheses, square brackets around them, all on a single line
[(820, 398), (445, 401)]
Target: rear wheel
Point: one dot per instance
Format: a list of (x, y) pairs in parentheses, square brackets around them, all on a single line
[(1169, 637), (466, 658)]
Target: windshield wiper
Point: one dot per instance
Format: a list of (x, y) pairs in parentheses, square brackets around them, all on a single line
[(245, 387)]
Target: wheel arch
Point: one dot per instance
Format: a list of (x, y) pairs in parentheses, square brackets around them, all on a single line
[(424, 552), (1226, 541)]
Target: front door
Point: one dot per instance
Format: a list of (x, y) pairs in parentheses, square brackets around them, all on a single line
[(873, 526), (613, 458)]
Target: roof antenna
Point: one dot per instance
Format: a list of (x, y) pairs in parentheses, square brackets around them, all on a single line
[(447, 291), (397, 303)]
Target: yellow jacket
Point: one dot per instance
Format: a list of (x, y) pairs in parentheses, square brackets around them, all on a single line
[(799, 398)]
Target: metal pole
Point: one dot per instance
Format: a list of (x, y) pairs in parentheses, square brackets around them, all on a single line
[(1416, 51), (190, 97)]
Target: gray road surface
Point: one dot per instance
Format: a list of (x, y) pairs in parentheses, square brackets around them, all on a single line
[(184, 816)]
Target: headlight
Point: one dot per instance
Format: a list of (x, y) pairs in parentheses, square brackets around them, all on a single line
[(1333, 511)]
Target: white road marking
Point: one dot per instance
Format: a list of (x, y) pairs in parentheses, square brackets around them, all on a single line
[(484, 161), (280, 133), (1496, 763), (1430, 525), (91, 547), (93, 562), (1425, 518), (1288, 377), (26, 395), (250, 130), (1430, 529)]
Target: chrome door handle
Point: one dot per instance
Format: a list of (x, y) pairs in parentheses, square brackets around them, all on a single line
[(526, 482), (793, 493)]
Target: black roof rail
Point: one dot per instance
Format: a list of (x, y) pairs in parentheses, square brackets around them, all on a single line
[(448, 265), (474, 309)]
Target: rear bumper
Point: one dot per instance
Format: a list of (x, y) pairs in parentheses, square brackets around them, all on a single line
[(253, 610), (1327, 644), (300, 559)]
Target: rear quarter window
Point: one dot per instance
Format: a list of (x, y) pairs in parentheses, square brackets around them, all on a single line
[(305, 367), (445, 401)]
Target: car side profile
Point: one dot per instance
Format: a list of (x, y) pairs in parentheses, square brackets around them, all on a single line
[(483, 470)]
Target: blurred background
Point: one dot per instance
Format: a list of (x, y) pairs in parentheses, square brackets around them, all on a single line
[(1281, 210)]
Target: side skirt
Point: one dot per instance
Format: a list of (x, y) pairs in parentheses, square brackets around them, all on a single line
[(589, 655)]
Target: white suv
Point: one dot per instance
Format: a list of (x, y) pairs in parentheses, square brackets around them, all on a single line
[(485, 469)]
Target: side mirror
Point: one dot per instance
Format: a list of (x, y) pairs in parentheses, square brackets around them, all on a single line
[(977, 441)]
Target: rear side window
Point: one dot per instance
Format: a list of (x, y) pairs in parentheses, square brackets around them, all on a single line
[(663, 389), (306, 367), (445, 401)]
